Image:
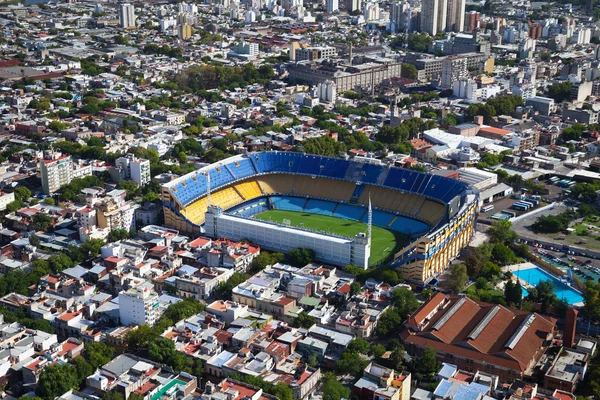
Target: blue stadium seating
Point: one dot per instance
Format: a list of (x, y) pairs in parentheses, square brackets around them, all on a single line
[(251, 208), (433, 186), (408, 226), (380, 218), (242, 169), (320, 207), (371, 173), (347, 211), (288, 203)]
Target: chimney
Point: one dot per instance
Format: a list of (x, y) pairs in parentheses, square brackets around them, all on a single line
[(570, 327)]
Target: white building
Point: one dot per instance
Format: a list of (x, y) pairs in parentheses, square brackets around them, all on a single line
[(332, 6), (6, 198), (246, 48), (58, 169), (454, 68), (330, 249), (327, 91), (465, 88), (140, 305), (127, 15), (135, 169), (442, 16)]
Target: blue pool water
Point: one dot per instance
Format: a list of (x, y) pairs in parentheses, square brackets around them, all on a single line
[(563, 291)]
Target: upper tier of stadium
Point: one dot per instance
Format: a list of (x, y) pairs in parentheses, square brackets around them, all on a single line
[(430, 198)]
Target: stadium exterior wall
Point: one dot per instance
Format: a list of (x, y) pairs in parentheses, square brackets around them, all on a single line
[(330, 249)]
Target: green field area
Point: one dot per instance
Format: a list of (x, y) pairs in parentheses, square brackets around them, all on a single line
[(384, 242)]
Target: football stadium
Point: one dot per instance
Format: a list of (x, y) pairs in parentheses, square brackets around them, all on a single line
[(347, 211)]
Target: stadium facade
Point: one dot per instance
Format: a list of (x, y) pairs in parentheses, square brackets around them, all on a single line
[(436, 213)]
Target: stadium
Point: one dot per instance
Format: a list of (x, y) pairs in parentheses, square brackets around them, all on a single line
[(347, 211)]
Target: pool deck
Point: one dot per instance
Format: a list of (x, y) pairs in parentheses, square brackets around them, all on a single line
[(527, 265)]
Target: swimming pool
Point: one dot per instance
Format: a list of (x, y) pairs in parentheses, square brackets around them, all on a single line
[(533, 276)]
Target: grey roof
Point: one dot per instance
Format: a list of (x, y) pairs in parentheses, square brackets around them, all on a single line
[(120, 365)]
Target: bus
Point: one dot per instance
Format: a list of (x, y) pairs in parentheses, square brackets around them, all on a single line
[(487, 208)]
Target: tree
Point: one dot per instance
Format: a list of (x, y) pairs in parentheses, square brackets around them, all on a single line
[(500, 231), (560, 91), (55, 380), (388, 322), (355, 288), (82, 368), (57, 126), (550, 224), (427, 363), (419, 42), (184, 309), (14, 206), (322, 145), (223, 289), (42, 222), (60, 262), (513, 293), (333, 389), (49, 201), (117, 234), (359, 345), (303, 320), (265, 259), (405, 302), (22, 193), (458, 278), (301, 257), (351, 363), (591, 300), (98, 353), (409, 71), (377, 350), (502, 254), (131, 187)]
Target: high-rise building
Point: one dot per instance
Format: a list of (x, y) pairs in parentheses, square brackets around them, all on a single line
[(133, 168), (332, 6), (353, 5), (453, 69), (139, 305), (184, 32), (442, 16), (401, 17), (58, 169), (455, 16), (472, 21), (127, 15)]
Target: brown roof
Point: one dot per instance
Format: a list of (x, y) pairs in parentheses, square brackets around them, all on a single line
[(485, 332)]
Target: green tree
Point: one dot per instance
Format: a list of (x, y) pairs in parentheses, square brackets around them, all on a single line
[(223, 290), (513, 293), (57, 126), (333, 389), (98, 353), (388, 322), (377, 350), (55, 380), (458, 278), (550, 224), (355, 288), (405, 302), (264, 259), (351, 362), (502, 254), (22, 193), (42, 222), (117, 234), (560, 91), (359, 345), (184, 309), (49, 201), (303, 320), (501, 231), (131, 187), (419, 42), (591, 301), (322, 145), (301, 257), (82, 368), (409, 71), (427, 363)]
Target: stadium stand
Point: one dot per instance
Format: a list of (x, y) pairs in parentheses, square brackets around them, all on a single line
[(440, 209), (319, 207), (288, 203), (249, 189)]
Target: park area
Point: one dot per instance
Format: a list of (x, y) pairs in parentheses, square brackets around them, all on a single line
[(384, 242)]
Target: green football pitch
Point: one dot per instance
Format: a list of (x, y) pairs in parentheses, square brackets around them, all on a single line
[(384, 242)]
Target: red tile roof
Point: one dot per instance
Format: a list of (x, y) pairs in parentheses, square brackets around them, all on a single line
[(479, 331)]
